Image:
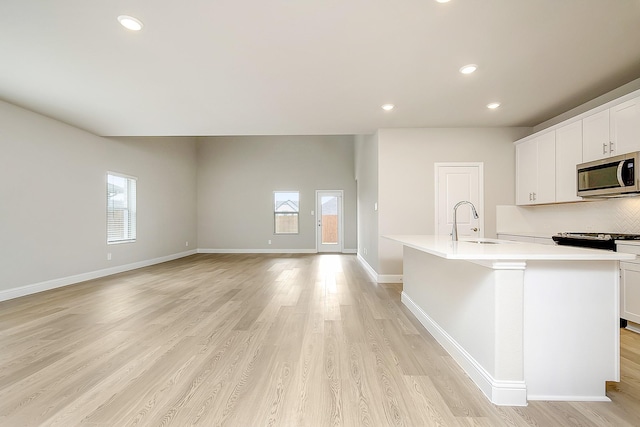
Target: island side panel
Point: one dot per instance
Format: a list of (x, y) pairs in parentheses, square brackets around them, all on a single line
[(571, 325), (458, 297)]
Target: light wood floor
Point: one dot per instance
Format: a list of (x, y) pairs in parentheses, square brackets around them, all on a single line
[(252, 340)]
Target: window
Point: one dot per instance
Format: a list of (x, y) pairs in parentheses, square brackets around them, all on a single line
[(121, 208), (286, 212)]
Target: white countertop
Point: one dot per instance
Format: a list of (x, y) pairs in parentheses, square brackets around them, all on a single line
[(535, 234), (444, 247)]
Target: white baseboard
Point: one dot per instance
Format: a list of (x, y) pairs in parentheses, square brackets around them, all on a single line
[(507, 393), (265, 251), (633, 327), (70, 280), (379, 278), (256, 251), (564, 398), (389, 278), (372, 273)]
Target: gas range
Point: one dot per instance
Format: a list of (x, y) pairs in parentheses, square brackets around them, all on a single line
[(593, 240)]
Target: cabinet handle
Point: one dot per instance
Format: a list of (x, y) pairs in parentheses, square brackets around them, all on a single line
[(611, 150), (604, 148), (530, 196), (534, 196)]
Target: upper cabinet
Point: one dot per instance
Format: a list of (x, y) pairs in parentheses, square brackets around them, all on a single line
[(536, 170), (546, 161), (595, 136), (625, 127), (568, 156), (611, 132)]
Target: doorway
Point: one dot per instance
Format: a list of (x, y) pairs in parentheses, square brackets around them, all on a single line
[(329, 220), (456, 182)]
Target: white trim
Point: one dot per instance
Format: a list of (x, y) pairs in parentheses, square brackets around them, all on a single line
[(379, 278), (70, 280), (633, 327), (389, 278), (564, 398), (507, 393), (256, 251), (122, 175), (372, 273)]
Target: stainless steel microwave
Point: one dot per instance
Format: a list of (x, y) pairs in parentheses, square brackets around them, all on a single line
[(611, 177)]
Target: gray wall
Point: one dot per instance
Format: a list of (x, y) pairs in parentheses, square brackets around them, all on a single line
[(237, 177), (367, 181), (53, 198), (406, 192)]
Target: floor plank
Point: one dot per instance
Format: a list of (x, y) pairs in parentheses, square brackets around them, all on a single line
[(253, 340)]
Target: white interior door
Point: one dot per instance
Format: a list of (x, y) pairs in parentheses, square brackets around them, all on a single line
[(456, 182), (329, 221)]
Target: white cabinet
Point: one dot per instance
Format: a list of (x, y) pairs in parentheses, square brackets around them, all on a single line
[(546, 162), (568, 156), (536, 170), (630, 284), (526, 172), (595, 136), (625, 127), (611, 132)]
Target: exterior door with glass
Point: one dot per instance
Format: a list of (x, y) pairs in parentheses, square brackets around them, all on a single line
[(329, 221)]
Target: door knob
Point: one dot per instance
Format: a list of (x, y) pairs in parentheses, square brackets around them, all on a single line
[(475, 229)]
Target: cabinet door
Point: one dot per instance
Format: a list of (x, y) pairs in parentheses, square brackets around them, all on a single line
[(526, 171), (595, 136), (625, 127), (630, 291), (568, 156), (546, 165)]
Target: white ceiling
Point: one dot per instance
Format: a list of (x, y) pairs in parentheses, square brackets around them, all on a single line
[(249, 67)]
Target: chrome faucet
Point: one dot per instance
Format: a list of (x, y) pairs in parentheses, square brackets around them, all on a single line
[(454, 232)]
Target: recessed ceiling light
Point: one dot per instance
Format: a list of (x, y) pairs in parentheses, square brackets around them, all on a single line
[(442, 1), (388, 107), (493, 105), (468, 69), (130, 23)]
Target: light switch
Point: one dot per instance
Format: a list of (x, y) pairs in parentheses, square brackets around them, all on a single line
[(375, 206), (312, 213)]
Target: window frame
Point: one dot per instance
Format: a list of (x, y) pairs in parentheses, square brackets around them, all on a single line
[(130, 209), (276, 214)]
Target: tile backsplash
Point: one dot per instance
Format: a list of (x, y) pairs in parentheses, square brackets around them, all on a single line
[(620, 215)]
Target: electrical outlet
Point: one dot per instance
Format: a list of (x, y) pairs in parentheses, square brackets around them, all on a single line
[(186, 243), (269, 241), (108, 256)]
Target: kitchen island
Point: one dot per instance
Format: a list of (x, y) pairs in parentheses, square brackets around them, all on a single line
[(525, 321)]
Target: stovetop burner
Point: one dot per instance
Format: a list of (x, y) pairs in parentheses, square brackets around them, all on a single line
[(600, 236), (605, 241)]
